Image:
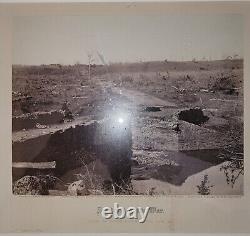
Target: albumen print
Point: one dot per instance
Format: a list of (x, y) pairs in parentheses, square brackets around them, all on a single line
[(135, 104)]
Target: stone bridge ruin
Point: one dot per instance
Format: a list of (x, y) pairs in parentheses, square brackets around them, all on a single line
[(71, 145)]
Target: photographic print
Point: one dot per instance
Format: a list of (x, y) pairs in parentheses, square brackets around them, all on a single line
[(135, 104)]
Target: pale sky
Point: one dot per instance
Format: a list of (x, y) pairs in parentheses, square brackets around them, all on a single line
[(126, 38)]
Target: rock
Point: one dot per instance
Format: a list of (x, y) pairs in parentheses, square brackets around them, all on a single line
[(67, 113), (176, 127), (78, 188), (48, 181), (95, 192), (39, 126), (30, 185)]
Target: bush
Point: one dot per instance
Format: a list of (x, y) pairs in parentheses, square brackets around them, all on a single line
[(204, 188)]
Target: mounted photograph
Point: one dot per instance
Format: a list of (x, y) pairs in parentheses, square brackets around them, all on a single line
[(135, 104)]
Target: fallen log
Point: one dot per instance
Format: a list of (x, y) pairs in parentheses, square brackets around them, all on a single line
[(34, 165)]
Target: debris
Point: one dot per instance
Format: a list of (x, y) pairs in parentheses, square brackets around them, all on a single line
[(95, 192), (174, 87), (176, 127), (67, 113), (179, 89), (204, 90), (39, 126)]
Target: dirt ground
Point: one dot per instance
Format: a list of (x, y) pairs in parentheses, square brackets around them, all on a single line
[(170, 155)]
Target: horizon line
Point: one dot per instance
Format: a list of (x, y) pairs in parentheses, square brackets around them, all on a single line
[(131, 62)]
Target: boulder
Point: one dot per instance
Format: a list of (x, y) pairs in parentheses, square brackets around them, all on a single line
[(78, 188), (30, 185)]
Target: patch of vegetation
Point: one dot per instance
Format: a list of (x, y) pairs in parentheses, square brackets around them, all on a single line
[(232, 154), (204, 188), (224, 83)]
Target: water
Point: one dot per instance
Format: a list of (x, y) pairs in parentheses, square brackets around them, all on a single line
[(192, 169)]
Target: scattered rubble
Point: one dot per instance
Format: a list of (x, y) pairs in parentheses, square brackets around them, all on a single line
[(39, 126), (176, 127), (67, 113)]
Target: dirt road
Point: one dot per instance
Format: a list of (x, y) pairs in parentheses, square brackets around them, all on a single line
[(140, 98)]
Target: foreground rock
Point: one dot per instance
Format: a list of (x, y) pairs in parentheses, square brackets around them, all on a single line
[(90, 184), (78, 188), (33, 185)]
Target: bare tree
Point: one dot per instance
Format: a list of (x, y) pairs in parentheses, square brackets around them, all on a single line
[(90, 61)]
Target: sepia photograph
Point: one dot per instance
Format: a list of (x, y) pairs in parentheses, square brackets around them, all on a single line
[(135, 104)]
